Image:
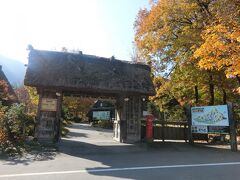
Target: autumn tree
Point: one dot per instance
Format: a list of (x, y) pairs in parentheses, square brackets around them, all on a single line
[(78, 106), (29, 97), (195, 45), (220, 48), (170, 32)]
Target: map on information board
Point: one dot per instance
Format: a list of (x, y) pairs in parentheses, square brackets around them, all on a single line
[(210, 115)]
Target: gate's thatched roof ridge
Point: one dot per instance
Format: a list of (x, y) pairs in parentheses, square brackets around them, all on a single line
[(87, 73)]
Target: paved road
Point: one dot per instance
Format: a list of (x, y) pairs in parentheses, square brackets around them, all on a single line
[(90, 153)]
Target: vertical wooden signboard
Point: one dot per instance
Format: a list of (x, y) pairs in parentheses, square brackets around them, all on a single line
[(47, 119), (49, 109)]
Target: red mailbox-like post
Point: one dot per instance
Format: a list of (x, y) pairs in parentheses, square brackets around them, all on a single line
[(149, 127)]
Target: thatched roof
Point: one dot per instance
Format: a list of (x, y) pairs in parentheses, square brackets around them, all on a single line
[(87, 73), (8, 95)]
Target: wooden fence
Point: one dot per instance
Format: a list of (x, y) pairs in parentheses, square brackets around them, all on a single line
[(171, 130)]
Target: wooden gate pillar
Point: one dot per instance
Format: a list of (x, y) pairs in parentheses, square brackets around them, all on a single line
[(134, 116), (49, 116), (129, 114)]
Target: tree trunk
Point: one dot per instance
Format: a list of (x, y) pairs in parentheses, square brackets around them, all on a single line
[(224, 96), (211, 89), (238, 79), (196, 94)]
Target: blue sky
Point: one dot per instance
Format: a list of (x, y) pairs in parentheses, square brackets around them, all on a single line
[(98, 27)]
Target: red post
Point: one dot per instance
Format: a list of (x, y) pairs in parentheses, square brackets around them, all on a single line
[(149, 127)]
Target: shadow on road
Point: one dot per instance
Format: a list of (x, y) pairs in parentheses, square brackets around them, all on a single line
[(40, 153), (86, 126), (112, 154), (77, 134), (142, 155), (84, 142)]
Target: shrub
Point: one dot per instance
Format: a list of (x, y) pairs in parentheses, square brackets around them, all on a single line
[(76, 119), (15, 125), (64, 131), (103, 124), (20, 124)]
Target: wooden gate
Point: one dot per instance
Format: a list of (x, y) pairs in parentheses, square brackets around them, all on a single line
[(58, 74)]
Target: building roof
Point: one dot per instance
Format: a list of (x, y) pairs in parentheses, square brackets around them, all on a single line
[(11, 96), (86, 73), (99, 104)]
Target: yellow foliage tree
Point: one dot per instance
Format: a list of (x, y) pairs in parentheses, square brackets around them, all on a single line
[(170, 31), (78, 106), (221, 39), (195, 42)]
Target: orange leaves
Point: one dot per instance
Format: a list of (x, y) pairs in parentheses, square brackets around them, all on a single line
[(195, 39), (169, 29), (78, 104), (204, 33), (3, 133), (235, 35), (220, 49), (3, 136)]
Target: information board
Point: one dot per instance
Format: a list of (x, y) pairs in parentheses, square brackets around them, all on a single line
[(210, 116), (210, 119), (101, 115)]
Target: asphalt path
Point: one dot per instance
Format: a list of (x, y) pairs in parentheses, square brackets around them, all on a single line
[(90, 153)]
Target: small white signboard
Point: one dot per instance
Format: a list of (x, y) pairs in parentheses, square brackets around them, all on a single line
[(210, 116), (200, 129), (145, 113)]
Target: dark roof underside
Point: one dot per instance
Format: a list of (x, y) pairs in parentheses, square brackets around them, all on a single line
[(86, 73)]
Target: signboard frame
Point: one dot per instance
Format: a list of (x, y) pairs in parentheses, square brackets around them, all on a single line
[(231, 127)]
